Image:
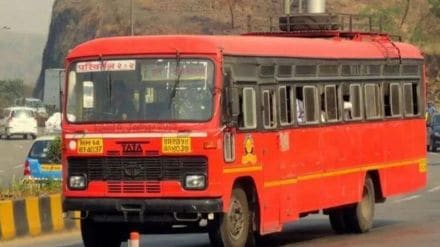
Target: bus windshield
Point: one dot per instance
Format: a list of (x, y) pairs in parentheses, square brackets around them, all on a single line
[(140, 90)]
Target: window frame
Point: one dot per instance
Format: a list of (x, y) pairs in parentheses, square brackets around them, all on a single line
[(244, 109), (316, 105), (400, 99), (378, 104), (270, 92)]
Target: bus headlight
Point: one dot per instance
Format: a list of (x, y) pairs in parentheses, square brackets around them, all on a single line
[(195, 182), (77, 182)]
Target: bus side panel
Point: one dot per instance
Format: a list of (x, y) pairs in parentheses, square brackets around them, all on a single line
[(267, 146), (337, 154), (412, 176), (307, 166)]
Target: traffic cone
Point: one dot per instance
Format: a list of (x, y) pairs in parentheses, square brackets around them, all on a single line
[(134, 239)]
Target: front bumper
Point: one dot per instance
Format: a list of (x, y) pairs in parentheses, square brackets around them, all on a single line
[(158, 206)]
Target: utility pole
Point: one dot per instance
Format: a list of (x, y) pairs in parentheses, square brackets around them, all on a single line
[(132, 17)]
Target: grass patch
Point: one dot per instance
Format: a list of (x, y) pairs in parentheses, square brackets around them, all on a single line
[(19, 188)]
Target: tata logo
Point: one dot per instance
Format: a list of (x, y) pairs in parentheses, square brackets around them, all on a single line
[(132, 148), (132, 170)]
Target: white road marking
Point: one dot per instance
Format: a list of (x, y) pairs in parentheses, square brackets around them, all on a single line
[(434, 189), (407, 199)]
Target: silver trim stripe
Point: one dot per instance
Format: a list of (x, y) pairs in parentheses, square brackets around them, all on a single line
[(136, 135)]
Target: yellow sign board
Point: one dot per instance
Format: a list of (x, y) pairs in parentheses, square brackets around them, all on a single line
[(90, 146), (176, 144)]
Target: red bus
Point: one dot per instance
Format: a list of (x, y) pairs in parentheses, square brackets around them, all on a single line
[(238, 135)]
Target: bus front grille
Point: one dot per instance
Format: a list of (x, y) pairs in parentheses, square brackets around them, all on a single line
[(117, 169)]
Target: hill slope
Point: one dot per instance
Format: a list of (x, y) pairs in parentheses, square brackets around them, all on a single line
[(78, 20)]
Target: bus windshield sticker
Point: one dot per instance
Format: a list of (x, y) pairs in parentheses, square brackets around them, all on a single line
[(109, 65), (176, 145), (249, 156), (90, 146)]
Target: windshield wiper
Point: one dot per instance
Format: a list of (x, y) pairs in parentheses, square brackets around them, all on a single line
[(177, 81)]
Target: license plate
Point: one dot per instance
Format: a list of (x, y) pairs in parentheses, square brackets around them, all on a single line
[(90, 146), (176, 145), (51, 167)]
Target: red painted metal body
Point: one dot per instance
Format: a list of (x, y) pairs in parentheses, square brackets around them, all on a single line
[(324, 165)]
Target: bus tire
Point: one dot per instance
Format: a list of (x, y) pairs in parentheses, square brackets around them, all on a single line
[(234, 228), (337, 221), (96, 234), (359, 217)]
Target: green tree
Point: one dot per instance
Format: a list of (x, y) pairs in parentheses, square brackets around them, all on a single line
[(10, 90), (54, 152), (435, 7)]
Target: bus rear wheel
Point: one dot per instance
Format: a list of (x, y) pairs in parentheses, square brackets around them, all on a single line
[(357, 218), (96, 234), (360, 217), (234, 227)]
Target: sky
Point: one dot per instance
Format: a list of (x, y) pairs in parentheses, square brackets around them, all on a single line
[(26, 16)]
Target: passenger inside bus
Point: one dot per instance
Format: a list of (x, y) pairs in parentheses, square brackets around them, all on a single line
[(122, 102)]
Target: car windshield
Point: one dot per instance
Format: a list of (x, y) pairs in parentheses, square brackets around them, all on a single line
[(140, 90), (22, 113), (40, 149)]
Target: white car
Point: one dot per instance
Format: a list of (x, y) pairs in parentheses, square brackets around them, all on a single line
[(18, 121)]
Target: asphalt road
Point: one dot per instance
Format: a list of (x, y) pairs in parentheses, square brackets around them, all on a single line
[(407, 221), (12, 157)]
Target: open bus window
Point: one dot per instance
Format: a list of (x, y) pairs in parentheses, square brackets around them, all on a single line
[(372, 101), (355, 102), (311, 104), (151, 89), (410, 95), (331, 103), (285, 95), (395, 99), (269, 109)]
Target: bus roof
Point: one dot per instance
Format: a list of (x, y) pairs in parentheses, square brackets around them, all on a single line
[(267, 46)]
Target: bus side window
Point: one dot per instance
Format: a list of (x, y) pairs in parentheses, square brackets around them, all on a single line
[(331, 103), (311, 104), (372, 101), (410, 95), (355, 102), (285, 97), (396, 99), (269, 109), (248, 116)]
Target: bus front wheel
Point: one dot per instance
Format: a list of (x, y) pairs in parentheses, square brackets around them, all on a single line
[(234, 227)]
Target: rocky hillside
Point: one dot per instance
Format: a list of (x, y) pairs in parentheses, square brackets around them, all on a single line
[(75, 21)]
